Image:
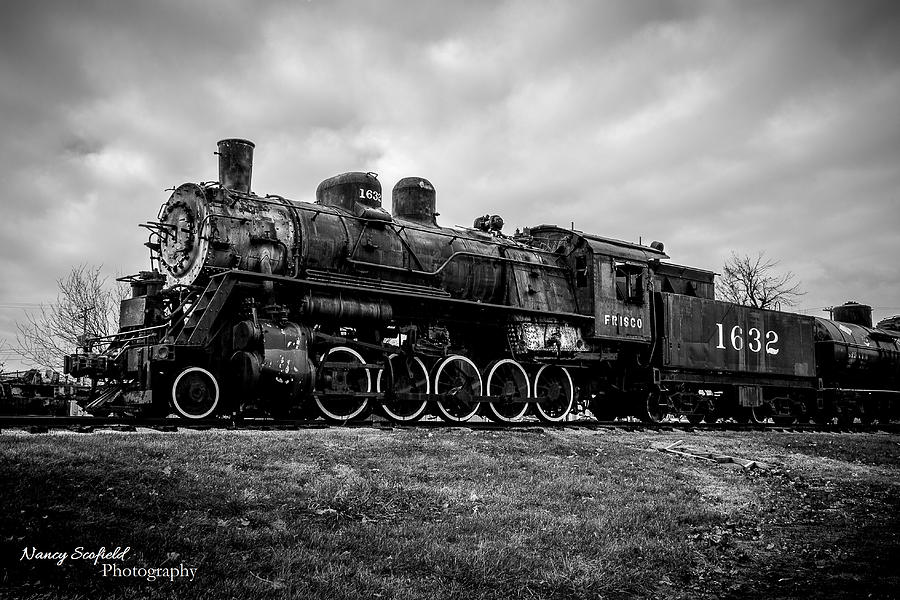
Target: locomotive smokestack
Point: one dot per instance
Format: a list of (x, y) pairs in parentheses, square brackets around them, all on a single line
[(235, 164)]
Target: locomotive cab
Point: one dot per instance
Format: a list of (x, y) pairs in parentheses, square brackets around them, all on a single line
[(622, 292), (621, 288), (612, 280)]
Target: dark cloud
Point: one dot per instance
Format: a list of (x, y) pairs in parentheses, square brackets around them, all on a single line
[(713, 126)]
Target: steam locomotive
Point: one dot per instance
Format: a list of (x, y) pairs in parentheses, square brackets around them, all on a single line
[(264, 305)]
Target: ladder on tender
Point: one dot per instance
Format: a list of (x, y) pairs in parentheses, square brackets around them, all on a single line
[(195, 328)]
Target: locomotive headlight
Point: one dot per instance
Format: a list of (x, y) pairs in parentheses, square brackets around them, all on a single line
[(163, 352)]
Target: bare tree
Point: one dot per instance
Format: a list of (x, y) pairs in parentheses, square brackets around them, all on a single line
[(754, 281), (86, 307)]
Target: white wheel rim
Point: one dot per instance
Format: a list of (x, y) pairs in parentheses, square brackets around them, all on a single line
[(178, 407), (437, 377), (490, 377), (421, 409), (365, 402), (537, 406)]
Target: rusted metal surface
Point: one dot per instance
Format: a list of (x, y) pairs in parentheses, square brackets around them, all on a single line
[(722, 337), (543, 336), (132, 312), (535, 282), (206, 229)]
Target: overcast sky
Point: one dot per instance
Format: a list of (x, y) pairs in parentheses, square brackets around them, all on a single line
[(711, 126)]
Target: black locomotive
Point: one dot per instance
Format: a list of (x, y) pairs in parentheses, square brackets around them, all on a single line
[(263, 305)]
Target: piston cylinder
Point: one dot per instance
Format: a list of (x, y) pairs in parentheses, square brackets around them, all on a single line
[(271, 362)]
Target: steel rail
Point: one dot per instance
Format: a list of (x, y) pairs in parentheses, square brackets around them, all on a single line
[(44, 424)]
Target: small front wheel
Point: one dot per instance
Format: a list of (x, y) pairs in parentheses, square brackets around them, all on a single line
[(195, 393)]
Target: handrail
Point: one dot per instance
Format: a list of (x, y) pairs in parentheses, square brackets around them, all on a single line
[(450, 258)]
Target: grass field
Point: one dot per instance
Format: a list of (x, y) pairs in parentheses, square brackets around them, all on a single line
[(450, 513)]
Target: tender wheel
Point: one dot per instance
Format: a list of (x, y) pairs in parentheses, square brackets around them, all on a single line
[(410, 377), (603, 407), (783, 420), (743, 415), (822, 417), (655, 407), (759, 414), (695, 418), (868, 413), (343, 380), (507, 379), (195, 393), (554, 392), (704, 410), (712, 414), (457, 376)]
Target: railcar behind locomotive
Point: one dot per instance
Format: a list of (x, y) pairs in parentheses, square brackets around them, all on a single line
[(34, 393), (264, 305)]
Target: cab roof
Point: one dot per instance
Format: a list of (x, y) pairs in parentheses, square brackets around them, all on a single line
[(608, 246)]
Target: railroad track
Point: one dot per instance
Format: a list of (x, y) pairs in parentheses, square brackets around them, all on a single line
[(45, 424)]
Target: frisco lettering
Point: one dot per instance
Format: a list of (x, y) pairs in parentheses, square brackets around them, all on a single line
[(623, 321), (78, 554)]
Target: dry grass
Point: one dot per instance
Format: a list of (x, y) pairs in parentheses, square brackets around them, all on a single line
[(452, 513)]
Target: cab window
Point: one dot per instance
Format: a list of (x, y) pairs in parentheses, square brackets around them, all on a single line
[(629, 283), (581, 271)]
